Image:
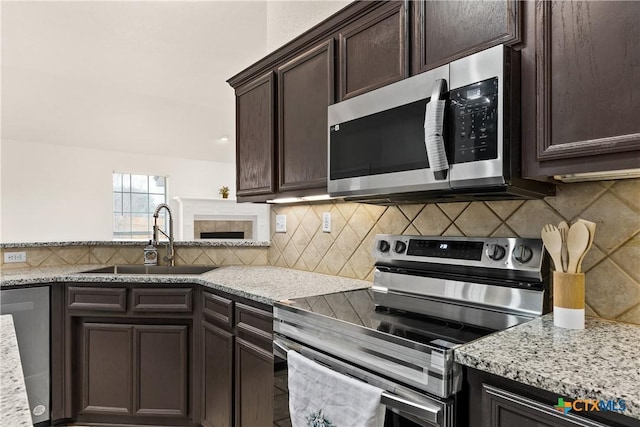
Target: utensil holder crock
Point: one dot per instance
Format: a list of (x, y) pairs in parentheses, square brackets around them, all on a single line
[(568, 300)]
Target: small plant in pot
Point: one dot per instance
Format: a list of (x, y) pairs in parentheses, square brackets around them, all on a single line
[(224, 192)]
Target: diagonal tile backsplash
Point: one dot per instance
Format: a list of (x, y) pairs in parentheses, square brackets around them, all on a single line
[(612, 265), (613, 275)]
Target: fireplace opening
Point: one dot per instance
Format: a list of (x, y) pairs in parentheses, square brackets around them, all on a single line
[(223, 229), (222, 235)]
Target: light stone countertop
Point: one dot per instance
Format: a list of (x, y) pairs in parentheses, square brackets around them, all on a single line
[(601, 361), (263, 284), (14, 404), (140, 243)]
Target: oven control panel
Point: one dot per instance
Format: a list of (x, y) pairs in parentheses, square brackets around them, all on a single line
[(488, 252), (445, 249)]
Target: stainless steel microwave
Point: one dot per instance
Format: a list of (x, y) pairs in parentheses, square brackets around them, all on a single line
[(448, 133)]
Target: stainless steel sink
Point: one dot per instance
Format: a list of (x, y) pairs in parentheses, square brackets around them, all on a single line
[(152, 269)]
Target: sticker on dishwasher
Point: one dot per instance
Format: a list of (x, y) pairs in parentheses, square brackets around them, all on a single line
[(437, 360), (39, 410)]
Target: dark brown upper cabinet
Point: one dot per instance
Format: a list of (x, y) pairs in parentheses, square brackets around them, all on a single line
[(580, 80), (443, 31), (255, 137), (373, 51), (305, 90), (282, 100)]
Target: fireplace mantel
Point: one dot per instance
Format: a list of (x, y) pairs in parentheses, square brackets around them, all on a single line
[(191, 209)]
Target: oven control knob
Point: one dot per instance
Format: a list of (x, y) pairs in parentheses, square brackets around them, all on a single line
[(383, 246), (400, 247), (496, 252), (522, 254)]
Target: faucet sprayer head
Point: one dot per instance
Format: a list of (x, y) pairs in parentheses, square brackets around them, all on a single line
[(156, 213)]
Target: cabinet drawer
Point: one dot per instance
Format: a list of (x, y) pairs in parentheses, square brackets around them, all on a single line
[(162, 300), (254, 325), (217, 309), (97, 299)]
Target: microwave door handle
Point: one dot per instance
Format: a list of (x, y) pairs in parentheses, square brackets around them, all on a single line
[(433, 129)]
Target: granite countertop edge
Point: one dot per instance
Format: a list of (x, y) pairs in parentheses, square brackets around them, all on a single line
[(535, 353), (552, 370), (14, 404), (264, 284), (138, 243)]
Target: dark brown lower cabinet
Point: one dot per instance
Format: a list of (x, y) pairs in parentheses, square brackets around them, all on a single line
[(508, 409), (254, 385), (495, 401), (237, 362), (107, 369), (151, 355), (217, 376), (160, 370), (129, 354), (134, 370)]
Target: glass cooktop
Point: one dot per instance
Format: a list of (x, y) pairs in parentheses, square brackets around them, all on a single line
[(357, 307)]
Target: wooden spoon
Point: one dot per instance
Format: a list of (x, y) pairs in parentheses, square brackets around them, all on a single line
[(564, 230), (591, 226), (553, 242), (577, 242)]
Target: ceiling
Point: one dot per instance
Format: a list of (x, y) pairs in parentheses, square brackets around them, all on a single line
[(140, 76)]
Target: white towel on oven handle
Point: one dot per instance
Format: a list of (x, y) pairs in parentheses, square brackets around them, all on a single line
[(321, 397)]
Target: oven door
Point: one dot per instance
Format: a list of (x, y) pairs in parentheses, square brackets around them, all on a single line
[(404, 407)]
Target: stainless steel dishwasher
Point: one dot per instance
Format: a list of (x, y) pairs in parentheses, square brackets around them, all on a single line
[(30, 310)]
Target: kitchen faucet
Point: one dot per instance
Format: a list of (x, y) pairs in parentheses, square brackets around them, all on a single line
[(170, 257)]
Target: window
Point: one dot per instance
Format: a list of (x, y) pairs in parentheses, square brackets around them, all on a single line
[(135, 197)]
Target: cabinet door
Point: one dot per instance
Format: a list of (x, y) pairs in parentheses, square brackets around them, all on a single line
[(305, 90), (255, 137), (107, 369), (161, 370), (254, 385), (581, 74), (447, 30), (217, 376), (373, 51), (507, 409)]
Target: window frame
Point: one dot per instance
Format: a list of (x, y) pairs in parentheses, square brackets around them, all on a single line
[(136, 201)]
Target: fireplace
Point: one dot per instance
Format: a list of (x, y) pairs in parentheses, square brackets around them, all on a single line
[(222, 219)]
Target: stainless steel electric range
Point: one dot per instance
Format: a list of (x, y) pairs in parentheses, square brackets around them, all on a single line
[(429, 295)]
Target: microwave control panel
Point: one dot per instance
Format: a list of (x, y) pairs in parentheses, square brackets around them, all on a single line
[(474, 113)]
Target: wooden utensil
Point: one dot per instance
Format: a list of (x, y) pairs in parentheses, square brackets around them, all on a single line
[(553, 242), (577, 242), (564, 230), (591, 226)]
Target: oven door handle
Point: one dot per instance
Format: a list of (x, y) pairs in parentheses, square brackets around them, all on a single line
[(424, 411)]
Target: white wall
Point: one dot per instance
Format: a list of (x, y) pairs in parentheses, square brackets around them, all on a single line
[(288, 19), (57, 186), (127, 75), (63, 193)]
